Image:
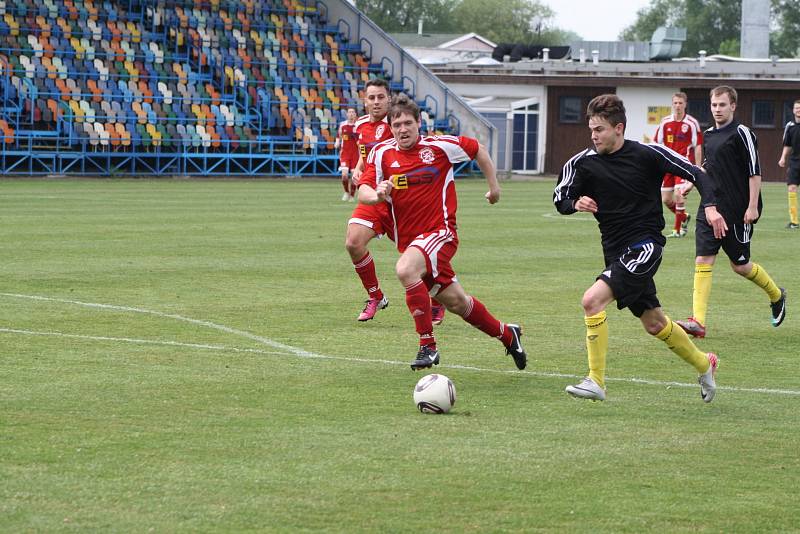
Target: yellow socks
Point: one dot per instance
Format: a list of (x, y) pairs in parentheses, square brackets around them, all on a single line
[(597, 346), (760, 278), (793, 207), (702, 291), (678, 342)]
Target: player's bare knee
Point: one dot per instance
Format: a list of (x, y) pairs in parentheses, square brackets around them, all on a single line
[(653, 327), (458, 305), (742, 270), (407, 273), (592, 305), (356, 243)]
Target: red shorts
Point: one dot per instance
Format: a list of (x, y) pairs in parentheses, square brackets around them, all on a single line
[(348, 161), (438, 249), (378, 217), (671, 182)]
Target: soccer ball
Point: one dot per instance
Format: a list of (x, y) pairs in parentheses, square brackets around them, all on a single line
[(434, 394)]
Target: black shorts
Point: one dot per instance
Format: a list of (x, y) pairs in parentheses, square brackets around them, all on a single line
[(736, 242), (630, 277), (793, 175)]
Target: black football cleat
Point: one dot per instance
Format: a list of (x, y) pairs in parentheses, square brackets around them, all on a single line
[(426, 357), (515, 348)]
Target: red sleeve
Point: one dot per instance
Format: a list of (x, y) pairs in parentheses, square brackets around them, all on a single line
[(470, 146)]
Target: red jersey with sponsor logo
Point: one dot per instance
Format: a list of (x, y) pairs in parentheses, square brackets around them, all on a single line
[(423, 198), (681, 136), (348, 154), (369, 134)]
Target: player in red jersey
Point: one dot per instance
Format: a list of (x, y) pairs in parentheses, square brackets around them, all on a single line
[(414, 177), (367, 222), (680, 132), (347, 144)]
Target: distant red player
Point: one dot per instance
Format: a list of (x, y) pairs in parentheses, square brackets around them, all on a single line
[(680, 132), (413, 176), (347, 144)]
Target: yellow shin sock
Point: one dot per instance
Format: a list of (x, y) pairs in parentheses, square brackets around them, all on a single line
[(597, 346), (702, 291), (678, 342), (763, 280)]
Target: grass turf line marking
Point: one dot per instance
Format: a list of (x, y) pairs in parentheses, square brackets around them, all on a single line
[(137, 341), (312, 355), (208, 324)]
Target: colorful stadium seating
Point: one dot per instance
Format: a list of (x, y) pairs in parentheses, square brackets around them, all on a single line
[(174, 75)]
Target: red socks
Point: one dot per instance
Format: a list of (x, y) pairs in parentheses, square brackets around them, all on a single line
[(365, 268), (680, 216), (419, 304), (479, 317)]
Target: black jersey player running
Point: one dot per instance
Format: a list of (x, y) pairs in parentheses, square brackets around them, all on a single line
[(619, 181)]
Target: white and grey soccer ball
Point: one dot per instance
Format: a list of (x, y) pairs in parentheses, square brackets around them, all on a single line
[(434, 394)]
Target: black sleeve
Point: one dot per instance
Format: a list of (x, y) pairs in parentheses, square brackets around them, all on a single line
[(748, 139), (787, 140), (670, 162), (568, 188)]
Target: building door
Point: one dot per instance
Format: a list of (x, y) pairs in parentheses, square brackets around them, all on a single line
[(525, 138)]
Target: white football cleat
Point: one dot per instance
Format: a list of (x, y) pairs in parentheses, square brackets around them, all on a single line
[(588, 389), (708, 385)]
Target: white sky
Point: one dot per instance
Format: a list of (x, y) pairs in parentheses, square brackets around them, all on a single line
[(595, 20)]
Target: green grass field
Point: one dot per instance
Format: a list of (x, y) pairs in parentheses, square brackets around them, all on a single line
[(183, 356)]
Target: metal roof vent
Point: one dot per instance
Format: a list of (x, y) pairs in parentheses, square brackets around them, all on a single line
[(666, 42)]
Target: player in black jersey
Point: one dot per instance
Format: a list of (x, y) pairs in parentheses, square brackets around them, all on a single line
[(619, 181), (791, 154), (731, 152)]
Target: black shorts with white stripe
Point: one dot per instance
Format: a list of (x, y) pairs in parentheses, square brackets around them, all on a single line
[(630, 277), (793, 175), (736, 242)]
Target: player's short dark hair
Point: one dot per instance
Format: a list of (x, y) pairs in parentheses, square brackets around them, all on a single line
[(796, 102), (681, 95), (608, 107), (401, 103), (378, 82), (725, 89)]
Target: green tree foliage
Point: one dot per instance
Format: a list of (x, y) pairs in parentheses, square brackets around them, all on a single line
[(513, 21), (658, 13), (785, 40), (403, 15), (715, 25)]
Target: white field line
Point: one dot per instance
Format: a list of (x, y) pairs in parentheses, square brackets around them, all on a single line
[(306, 354), (203, 346)]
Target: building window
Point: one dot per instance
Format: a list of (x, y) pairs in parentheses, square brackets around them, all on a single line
[(570, 109), (525, 138), (700, 110), (763, 114)]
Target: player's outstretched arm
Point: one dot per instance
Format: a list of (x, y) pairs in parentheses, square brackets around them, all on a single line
[(368, 195), (485, 164)]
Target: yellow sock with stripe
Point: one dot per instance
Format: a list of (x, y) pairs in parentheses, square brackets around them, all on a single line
[(702, 291), (793, 207), (678, 342), (597, 346), (760, 278)]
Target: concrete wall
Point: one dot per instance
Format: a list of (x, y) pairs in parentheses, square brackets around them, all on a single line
[(645, 106)]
